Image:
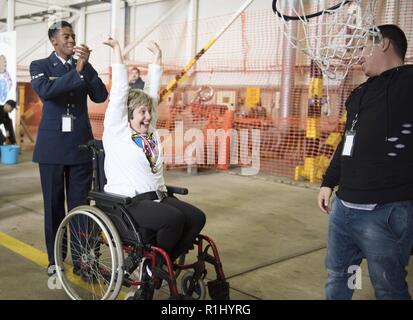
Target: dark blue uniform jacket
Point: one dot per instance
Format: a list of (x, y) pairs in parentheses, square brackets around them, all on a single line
[(59, 91)]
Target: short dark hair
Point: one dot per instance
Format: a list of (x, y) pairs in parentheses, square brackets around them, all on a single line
[(11, 103), (56, 26), (396, 36), (134, 68)]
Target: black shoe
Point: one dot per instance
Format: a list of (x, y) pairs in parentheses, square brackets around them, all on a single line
[(88, 276), (130, 264), (85, 275), (163, 272), (77, 270), (159, 284), (51, 269)]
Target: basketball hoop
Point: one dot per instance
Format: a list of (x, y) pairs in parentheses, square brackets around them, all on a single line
[(335, 34)]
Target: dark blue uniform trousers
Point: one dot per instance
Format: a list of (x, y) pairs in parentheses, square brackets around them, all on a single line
[(76, 180)]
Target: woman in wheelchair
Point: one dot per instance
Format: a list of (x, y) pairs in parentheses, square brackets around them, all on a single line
[(135, 200), (133, 158)]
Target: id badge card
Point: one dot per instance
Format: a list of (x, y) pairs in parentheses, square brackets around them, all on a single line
[(348, 143), (67, 123)]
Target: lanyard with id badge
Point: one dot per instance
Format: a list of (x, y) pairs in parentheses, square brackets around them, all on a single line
[(350, 135), (67, 119), (349, 139), (67, 122)]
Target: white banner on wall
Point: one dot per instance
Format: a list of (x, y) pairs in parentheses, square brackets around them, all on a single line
[(8, 69)]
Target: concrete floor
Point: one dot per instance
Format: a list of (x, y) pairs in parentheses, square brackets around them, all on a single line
[(271, 235)]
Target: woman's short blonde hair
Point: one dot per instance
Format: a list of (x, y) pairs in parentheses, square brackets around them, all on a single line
[(136, 99)]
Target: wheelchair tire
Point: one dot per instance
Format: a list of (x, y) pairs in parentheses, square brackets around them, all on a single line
[(199, 291), (101, 255)]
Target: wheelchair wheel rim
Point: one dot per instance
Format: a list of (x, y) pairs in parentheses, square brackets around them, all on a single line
[(100, 269)]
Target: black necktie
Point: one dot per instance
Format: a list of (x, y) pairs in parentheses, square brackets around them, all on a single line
[(68, 66)]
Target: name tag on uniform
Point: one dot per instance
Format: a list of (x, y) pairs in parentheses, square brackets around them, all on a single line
[(67, 123), (348, 143)]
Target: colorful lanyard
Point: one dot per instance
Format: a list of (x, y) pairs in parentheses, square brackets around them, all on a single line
[(149, 146)]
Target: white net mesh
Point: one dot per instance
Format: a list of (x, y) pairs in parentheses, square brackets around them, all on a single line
[(334, 34)]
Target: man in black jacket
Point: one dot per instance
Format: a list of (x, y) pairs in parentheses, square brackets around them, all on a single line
[(372, 214), (136, 81), (6, 121)]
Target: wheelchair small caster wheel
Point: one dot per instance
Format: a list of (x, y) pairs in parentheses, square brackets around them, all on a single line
[(198, 291)]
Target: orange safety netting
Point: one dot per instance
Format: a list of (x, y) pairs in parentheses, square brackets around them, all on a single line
[(282, 118)]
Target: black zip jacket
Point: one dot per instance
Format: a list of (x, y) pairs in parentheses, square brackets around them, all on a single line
[(380, 169)]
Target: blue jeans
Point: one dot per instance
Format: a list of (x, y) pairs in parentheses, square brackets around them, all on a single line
[(384, 237)]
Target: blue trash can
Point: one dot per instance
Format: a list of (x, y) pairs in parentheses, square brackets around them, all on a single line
[(9, 154)]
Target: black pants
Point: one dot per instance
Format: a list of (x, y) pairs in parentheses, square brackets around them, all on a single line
[(2, 138), (175, 222), (56, 179)]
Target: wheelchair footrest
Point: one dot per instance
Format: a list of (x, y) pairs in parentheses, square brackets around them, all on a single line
[(218, 289)]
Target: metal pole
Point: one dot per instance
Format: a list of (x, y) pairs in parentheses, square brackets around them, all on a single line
[(10, 15), (81, 26), (192, 30), (127, 23), (115, 14), (288, 69)]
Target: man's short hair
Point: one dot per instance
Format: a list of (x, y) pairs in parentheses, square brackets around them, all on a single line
[(134, 68), (56, 26), (137, 98), (11, 103), (396, 36)]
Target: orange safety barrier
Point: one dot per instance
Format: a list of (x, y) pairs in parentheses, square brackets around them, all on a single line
[(249, 56)]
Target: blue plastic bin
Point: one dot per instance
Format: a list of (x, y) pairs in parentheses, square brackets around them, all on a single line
[(10, 154)]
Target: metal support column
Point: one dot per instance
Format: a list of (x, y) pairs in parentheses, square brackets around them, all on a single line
[(288, 72), (10, 15)]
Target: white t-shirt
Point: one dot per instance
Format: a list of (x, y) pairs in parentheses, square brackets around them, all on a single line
[(127, 170), (358, 206)]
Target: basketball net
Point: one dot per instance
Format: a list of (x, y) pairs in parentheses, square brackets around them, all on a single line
[(336, 37)]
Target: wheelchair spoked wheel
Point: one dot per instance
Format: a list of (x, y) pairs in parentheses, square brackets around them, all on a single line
[(192, 288), (94, 241)]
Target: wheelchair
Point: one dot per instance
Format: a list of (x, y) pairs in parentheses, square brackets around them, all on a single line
[(113, 253)]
